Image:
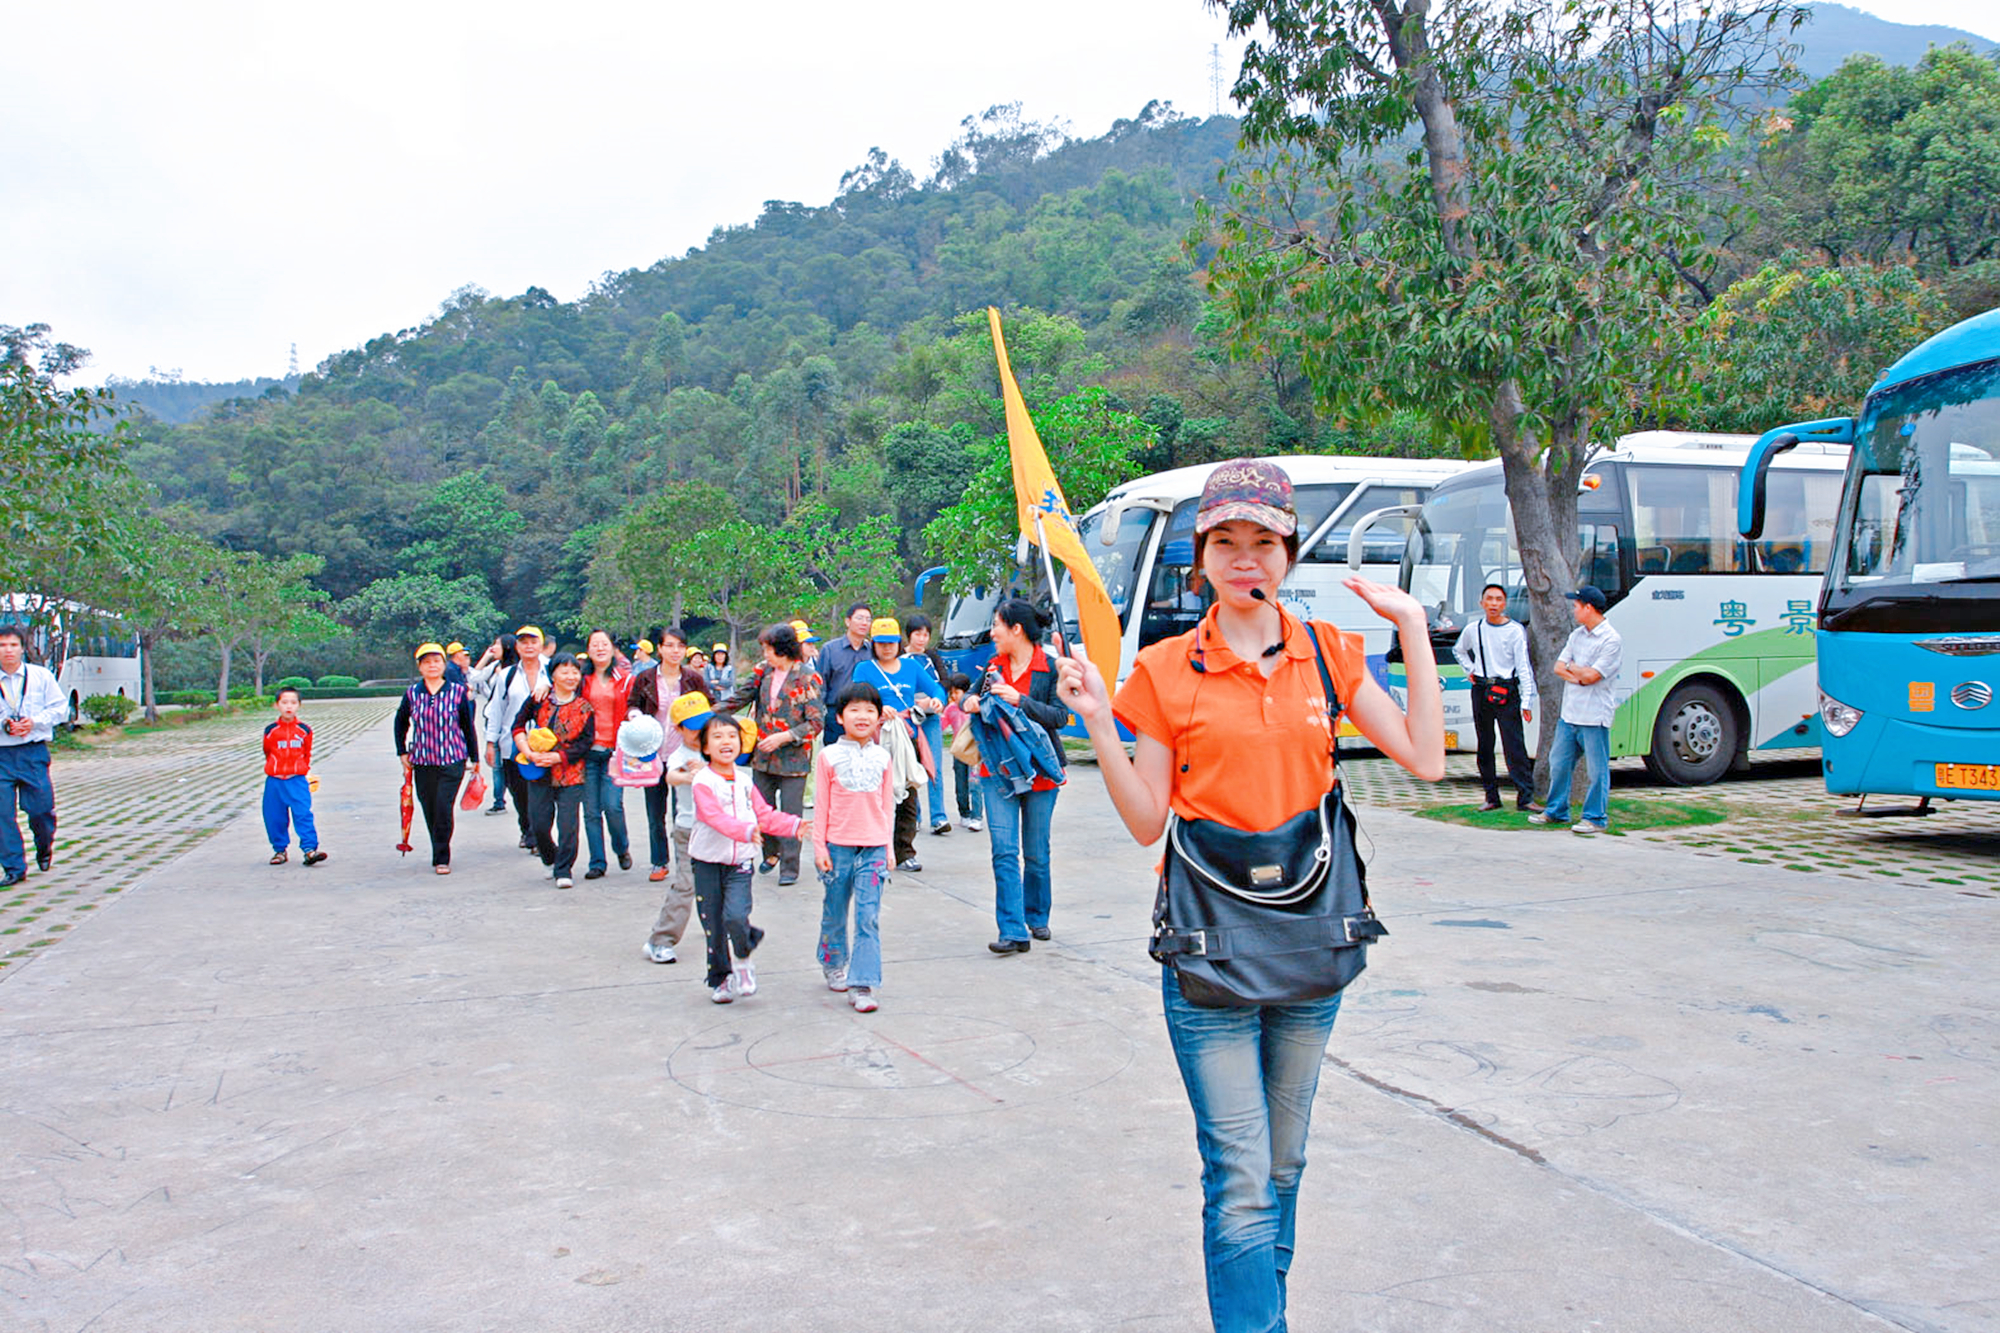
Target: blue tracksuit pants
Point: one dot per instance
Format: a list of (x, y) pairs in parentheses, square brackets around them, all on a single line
[(289, 799), (24, 785)]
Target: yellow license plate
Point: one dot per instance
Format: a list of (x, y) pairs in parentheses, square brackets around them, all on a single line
[(1451, 740), (1969, 777)]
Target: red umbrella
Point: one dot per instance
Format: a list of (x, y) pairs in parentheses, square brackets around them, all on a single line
[(409, 811)]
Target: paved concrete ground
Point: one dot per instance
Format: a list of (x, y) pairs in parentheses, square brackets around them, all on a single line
[(1586, 1085)]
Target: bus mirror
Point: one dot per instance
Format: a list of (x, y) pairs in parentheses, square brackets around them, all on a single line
[(1021, 549), (1356, 545), (1757, 467)]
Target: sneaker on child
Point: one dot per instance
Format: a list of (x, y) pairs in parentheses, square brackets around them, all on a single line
[(863, 1000), (746, 978), (661, 953), (723, 994)]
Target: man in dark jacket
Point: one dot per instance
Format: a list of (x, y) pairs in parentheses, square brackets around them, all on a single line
[(837, 661)]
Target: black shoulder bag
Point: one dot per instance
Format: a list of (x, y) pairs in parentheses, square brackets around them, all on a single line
[(1267, 918)]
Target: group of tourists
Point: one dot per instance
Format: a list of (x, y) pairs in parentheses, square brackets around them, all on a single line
[(1234, 725)]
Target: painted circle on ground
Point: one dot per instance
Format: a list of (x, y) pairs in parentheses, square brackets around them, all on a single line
[(825, 1063)]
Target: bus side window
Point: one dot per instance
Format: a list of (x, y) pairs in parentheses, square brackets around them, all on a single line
[(1385, 540), (1599, 564), (1798, 522)]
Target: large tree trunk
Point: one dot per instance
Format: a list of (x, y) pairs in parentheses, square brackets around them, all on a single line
[(222, 684), (1541, 494), (146, 674)]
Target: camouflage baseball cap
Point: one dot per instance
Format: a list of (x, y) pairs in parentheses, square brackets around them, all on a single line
[(1248, 488)]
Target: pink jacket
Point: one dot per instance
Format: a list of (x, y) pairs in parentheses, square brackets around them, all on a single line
[(727, 817)]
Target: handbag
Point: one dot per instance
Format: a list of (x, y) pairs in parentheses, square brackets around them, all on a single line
[(965, 745), (475, 791), (1274, 917), (1499, 692)]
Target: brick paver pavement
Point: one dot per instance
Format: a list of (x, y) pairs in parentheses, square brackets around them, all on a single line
[(126, 807), (1779, 814)]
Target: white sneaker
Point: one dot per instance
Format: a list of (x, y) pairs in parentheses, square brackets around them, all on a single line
[(661, 953), (976, 825), (863, 1000), (1539, 817), (746, 978), (836, 980), (565, 882), (1585, 826), (725, 993)]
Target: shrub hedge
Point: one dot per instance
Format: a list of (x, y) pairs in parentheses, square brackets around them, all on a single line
[(339, 682)]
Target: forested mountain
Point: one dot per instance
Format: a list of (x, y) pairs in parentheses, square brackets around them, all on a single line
[(1837, 32), (829, 358)]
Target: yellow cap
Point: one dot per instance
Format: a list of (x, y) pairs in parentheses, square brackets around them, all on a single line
[(720, 648), (749, 730), (426, 649), (526, 630), (691, 710), (806, 634), (646, 646), (541, 738), (886, 630), (453, 647)]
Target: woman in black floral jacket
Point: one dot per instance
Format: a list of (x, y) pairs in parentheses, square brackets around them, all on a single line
[(788, 695)]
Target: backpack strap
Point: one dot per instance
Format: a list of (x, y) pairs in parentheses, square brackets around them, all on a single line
[(1333, 704)]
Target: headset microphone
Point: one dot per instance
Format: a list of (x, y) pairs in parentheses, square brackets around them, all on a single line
[(1258, 593)]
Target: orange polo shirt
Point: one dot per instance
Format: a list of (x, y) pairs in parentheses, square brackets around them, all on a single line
[(1256, 748)]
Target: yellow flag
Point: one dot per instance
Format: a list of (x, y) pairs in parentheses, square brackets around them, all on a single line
[(1038, 496)]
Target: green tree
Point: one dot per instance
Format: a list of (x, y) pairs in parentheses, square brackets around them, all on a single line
[(1482, 213), (1799, 340), (397, 613), (74, 510), (1877, 161), (1092, 446), (462, 526)]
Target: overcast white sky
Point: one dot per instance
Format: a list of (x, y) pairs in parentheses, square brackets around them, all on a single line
[(198, 186)]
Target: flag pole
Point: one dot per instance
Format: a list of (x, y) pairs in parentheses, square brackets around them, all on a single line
[(1055, 595)]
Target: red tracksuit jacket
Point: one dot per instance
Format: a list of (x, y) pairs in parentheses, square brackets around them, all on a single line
[(288, 749)]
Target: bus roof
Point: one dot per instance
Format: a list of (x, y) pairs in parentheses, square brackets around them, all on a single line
[(1963, 344), (1692, 450), (1303, 469)]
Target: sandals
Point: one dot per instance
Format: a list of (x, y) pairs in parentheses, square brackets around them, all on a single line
[(442, 870), (279, 858), (314, 857)]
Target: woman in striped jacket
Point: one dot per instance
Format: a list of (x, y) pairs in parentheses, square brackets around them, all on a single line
[(435, 736)]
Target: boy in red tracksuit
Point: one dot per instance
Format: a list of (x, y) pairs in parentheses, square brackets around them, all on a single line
[(288, 782)]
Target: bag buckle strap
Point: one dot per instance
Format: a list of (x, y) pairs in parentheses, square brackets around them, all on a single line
[(1194, 942), (1363, 929)]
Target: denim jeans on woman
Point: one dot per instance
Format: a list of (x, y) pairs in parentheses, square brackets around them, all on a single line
[(933, 727), (605, 798), (1250, 1075), (1018, 829)]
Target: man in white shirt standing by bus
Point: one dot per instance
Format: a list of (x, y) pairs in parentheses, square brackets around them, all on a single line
[(1589, 666), (1494, 652), (32, 706)]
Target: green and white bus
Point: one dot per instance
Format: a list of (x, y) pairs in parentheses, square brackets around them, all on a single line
[(1718, 631)]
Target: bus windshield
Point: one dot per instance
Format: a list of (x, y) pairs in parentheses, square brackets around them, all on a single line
[(1117, 564), (1462, 541), (1925, 503)]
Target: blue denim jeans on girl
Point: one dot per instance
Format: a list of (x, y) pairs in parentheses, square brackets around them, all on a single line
[(1250, 1075), (857, 878)]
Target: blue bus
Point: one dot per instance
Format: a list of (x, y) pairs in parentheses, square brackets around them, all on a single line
[(1908, 618)]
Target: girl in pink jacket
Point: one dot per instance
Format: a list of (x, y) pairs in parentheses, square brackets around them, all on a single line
[(728, 814)]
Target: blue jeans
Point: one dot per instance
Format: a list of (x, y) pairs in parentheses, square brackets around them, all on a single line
[(24, 780), (934, 793), (1595, 743), (1250, 1075), (971, 804), (287, 801), (857, 878), (499, 801), (1017, 828), (606, 799)]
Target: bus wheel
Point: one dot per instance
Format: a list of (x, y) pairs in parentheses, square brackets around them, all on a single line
[(1694, 737)]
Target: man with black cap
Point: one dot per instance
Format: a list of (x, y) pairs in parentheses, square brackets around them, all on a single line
[(1589, 666)]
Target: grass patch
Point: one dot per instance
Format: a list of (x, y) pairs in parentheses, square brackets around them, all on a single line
[(1627, 816)]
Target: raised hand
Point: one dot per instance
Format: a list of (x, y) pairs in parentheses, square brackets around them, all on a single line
[(1390, 603), (1080, 685)]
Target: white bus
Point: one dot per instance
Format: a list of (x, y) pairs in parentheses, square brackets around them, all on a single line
[(1142, 540), (1717, 631), (90, 652)]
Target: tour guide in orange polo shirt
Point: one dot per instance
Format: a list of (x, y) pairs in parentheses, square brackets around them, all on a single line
[(1232, 724)]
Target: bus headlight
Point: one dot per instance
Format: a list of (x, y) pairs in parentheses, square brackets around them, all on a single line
[(1839, 718)]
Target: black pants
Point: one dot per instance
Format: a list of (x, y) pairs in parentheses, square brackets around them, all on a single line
[(906, 826), (1508, 716), (555, 814), (722, 898), (437, 797), (789, 796), (517, 789)]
